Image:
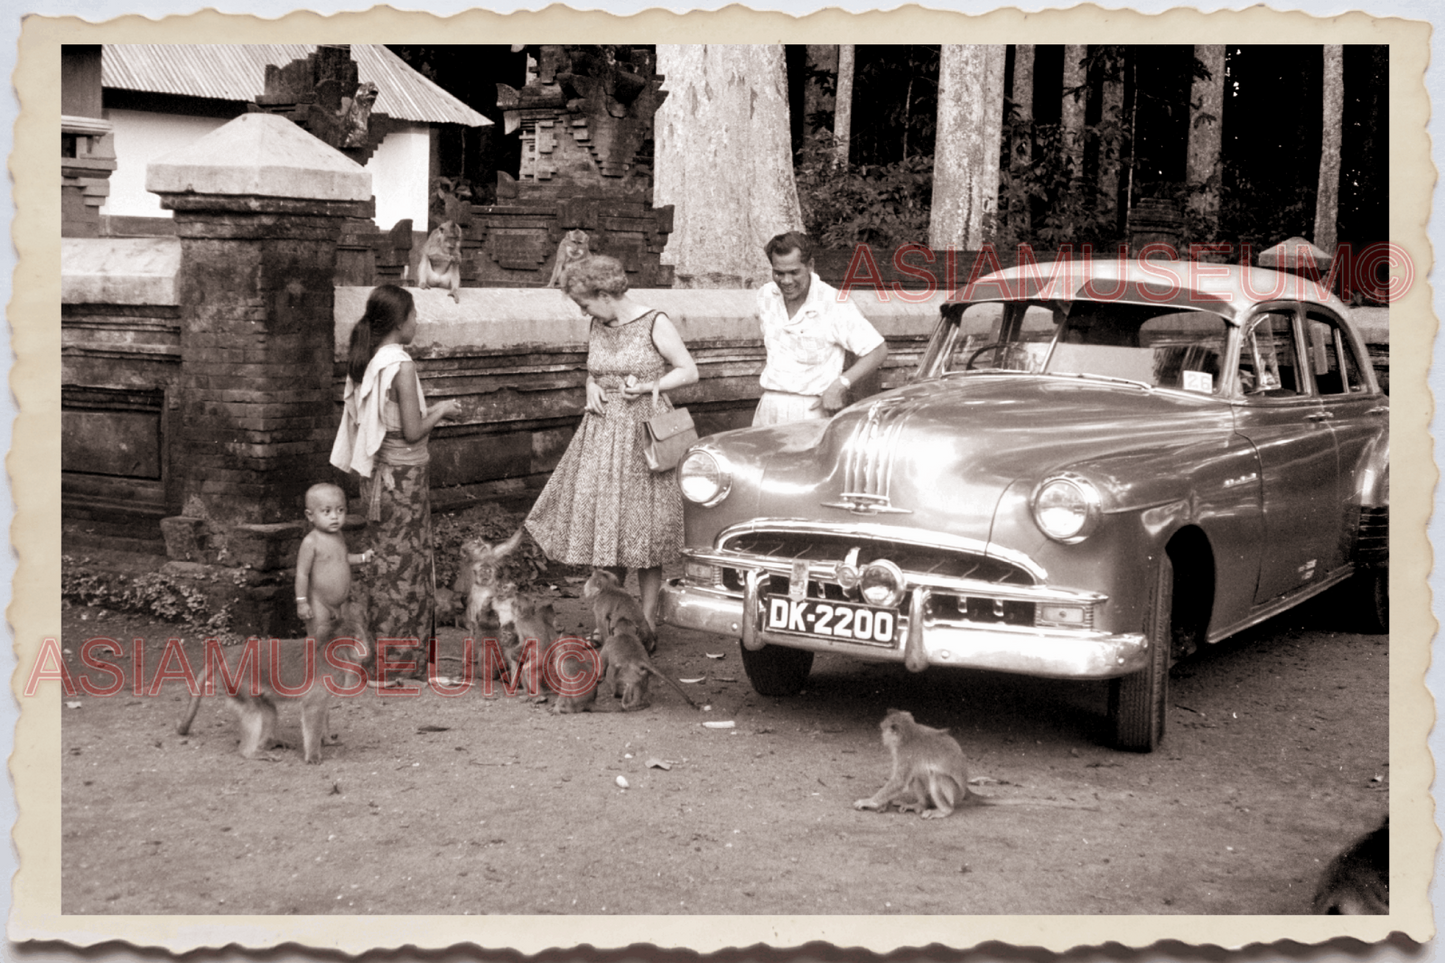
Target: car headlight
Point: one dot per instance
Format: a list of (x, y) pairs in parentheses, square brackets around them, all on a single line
[(881, 583), (1067, 508), (704, 477)]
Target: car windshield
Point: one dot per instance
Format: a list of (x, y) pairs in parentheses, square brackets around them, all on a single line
[(1155, 345)]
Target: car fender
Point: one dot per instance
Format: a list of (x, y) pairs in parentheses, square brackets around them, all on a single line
[(1372, 474)]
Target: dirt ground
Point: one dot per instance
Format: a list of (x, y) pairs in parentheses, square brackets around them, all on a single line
[(1276, 752)]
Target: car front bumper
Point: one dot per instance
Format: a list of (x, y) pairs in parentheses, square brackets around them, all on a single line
[(1054, 653)]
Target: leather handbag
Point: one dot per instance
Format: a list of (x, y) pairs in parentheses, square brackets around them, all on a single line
[(665, 438)]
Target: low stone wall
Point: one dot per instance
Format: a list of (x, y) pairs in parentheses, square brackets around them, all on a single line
[(120, 356), (515, 359)]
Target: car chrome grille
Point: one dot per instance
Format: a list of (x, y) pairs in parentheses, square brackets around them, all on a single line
[(914, 560), (961, 587)]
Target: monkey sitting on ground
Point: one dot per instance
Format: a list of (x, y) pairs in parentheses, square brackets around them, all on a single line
[(572, 248), (928, 767), (525, 621), (626, 667), (256, 709), (611, 603), (1357, 881), (441, 260)]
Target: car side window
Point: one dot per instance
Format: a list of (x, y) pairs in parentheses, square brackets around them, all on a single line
[(1188, 349), (1332, 357), (1268, 363)]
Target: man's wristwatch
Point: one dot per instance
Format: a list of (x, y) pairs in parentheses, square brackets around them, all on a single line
[(846, 383)]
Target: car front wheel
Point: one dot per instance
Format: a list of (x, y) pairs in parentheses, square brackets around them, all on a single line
[(1138, 702), (776, 670)]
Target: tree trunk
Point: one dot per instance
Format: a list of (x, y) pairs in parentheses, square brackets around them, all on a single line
[(966, 155), (1111, 144), (724, 160), (843, 111), (1021, 153), (1076, 99), (1206, 113), (822, 57), (1327, 201)]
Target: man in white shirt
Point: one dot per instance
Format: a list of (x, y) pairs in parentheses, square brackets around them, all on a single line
[(806, 331)]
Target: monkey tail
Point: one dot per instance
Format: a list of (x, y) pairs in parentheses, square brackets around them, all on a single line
[(183, 726), (672, 682)]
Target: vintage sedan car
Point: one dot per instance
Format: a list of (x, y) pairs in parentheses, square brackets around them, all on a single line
[(1094, 470)]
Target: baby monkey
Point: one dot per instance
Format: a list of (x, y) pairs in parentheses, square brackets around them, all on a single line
[(928, 767), (478, 582)]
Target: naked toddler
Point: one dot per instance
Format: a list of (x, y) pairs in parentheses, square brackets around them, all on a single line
[(323, 566)]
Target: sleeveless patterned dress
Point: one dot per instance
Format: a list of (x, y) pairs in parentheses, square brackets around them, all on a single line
[(603, 505)]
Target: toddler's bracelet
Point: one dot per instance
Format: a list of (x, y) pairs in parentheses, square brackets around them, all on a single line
[(302, 598)]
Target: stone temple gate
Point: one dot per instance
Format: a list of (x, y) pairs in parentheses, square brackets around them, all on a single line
[(221, 340)]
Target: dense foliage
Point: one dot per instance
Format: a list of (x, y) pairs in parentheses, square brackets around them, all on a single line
[(884, 205)]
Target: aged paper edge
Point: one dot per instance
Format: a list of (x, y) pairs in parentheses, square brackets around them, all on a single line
[(35, 463)]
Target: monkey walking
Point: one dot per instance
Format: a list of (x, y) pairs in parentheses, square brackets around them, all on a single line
[(1357, 881), (296, 663), (612, 603), (626, 668), (928, 767)]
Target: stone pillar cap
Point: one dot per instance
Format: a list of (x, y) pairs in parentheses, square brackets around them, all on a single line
[(1287, 254), (260, 155)]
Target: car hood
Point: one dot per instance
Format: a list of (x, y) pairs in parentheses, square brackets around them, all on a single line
[(939, 455)]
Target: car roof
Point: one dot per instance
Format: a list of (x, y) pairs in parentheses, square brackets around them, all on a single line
[(1225, 289)]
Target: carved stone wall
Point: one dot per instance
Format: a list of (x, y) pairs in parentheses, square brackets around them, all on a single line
[(585, 119)]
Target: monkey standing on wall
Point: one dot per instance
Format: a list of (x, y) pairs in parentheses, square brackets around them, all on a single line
[(573, 247)]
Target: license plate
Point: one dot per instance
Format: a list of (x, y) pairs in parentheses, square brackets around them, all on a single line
[(833, 620)]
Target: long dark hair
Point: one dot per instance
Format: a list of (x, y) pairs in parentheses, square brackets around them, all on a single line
[(386, 310)]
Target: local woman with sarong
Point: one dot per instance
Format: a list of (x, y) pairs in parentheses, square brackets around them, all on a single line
[(383, 438)]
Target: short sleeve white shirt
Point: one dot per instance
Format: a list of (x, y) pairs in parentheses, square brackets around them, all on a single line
[(806, 351)]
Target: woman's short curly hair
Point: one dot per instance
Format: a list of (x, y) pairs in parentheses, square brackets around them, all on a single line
[(593, 275)]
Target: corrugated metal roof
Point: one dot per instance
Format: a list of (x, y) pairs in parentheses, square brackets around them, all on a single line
[(238, 72)]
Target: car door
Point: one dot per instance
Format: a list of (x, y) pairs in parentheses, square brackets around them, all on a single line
[(1355, 413), (1280, 414)]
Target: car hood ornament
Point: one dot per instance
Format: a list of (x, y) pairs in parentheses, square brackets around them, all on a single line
[(868, 460)]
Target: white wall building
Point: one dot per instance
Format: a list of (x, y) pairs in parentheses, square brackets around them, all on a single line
[(160, 97)]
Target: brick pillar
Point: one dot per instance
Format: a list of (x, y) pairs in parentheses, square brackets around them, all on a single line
[(259, 204)]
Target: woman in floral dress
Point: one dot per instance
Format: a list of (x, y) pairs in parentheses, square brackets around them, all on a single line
[(603, 506)]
